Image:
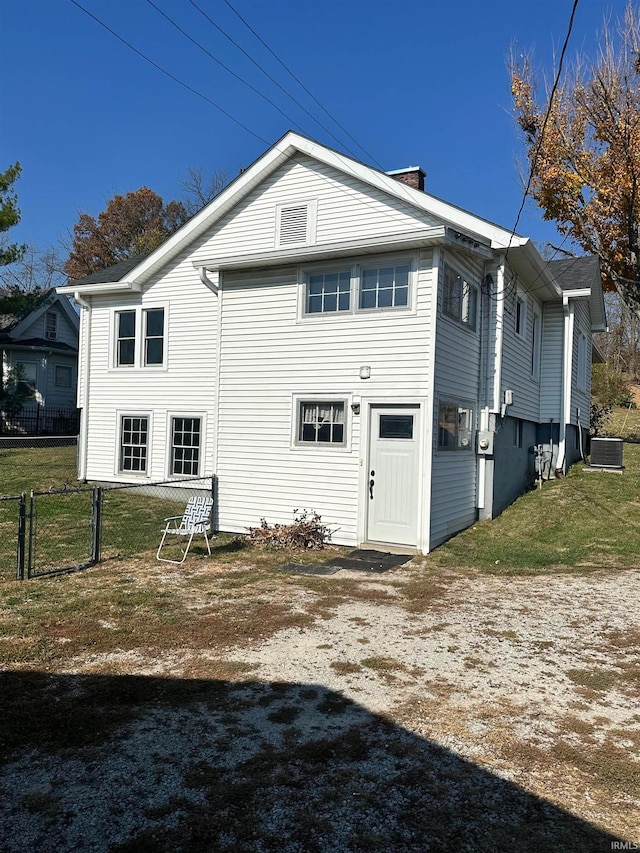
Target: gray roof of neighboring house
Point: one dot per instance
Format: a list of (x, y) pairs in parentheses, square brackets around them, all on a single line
[(112, 273), (8, 321), (575, 273)]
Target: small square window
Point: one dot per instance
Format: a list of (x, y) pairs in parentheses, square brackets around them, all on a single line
[(455, 423), (328, 292), (321, 423)]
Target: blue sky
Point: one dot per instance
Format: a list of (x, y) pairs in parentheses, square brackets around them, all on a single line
[(415, 82)]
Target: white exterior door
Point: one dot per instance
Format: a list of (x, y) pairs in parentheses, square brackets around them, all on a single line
[(393, 475)]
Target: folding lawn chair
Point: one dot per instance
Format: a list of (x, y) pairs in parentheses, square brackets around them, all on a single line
[(195, 519)]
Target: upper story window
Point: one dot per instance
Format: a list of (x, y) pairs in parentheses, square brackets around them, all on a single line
[(296, 223), (536, 345), (521, 314), (385, 287), (459, 298), (154, 336), (140, 337), (355, 288), (51, 326), (328, 292), (583, 373)]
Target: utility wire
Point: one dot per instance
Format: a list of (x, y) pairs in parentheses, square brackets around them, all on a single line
[(168, 73), (509, 289), (270, 77), (301, 84), (222, 65)]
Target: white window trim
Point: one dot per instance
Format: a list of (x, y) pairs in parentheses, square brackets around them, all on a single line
[(139, 348), (128, 413), (468, 278), (356, 269), (203, 443), (312, 220), (318, 397)]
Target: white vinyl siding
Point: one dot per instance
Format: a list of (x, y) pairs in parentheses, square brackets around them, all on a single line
[(264, 373), (517, 356), (188, 380), (457, 377), (346, 209)]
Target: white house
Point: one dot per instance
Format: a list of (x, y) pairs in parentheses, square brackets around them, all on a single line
[(326, 336), (41, 344)]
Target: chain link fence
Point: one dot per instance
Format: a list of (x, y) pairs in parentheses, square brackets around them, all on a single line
[(63, 530)]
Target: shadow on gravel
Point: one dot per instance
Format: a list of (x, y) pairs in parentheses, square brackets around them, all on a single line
[(129, 763)]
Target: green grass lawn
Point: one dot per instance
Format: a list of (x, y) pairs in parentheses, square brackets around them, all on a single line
[(583, 522)]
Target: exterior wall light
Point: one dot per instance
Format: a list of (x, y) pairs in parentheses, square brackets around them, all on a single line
[(365, 372)]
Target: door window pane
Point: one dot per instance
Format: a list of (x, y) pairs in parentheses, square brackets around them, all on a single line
[(396, 426)]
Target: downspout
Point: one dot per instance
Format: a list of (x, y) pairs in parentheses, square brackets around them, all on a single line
[(567, 371), (83, 395)]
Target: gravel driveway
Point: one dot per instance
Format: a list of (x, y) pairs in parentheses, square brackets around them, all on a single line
[(404, 713)]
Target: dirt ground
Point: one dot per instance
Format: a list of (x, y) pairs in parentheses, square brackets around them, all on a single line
[(408, 711)]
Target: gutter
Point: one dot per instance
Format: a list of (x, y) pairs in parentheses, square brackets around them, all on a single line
[(83, 391)]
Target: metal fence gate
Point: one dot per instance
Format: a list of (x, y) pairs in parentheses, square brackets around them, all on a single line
[(58, 531)]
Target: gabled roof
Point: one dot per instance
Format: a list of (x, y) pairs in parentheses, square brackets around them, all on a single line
[(12, 325), (291, 145)]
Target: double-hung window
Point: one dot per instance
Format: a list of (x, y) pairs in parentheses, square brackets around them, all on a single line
[(521, 314), (51, 326), (459, 298), (185, 446), (321, 423), (140, 337), (134, 442)]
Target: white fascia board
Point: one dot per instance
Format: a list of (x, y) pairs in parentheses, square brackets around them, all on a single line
[(533, 271), (287, 147), (388, 243), (576, 293), (99, 289)]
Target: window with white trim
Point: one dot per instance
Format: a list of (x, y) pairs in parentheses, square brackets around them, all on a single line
[(455, 425), (321, 422), (140, 335), (186, 436), (134, 444), (51, 326), (385, 286), (327, 292), (345, 290), (459, 298)]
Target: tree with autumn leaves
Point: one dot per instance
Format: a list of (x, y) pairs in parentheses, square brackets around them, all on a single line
[(583, 151), (131, 224)]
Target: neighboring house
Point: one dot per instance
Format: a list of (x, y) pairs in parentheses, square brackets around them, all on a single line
[(326, 336), (42, 345)]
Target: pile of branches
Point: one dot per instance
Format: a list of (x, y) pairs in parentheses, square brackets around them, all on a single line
[(306, 532)]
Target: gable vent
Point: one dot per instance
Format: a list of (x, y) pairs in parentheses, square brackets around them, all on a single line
[(293, 224)]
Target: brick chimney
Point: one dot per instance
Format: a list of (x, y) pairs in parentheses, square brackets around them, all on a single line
[(413, 176)]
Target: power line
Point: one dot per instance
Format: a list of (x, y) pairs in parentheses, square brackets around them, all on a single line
[(169, 74), (269, 76), (222, 64), (301, 84)]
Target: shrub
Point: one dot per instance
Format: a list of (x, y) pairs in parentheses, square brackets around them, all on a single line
[(610, 388), (306, 531), (599, 417)]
